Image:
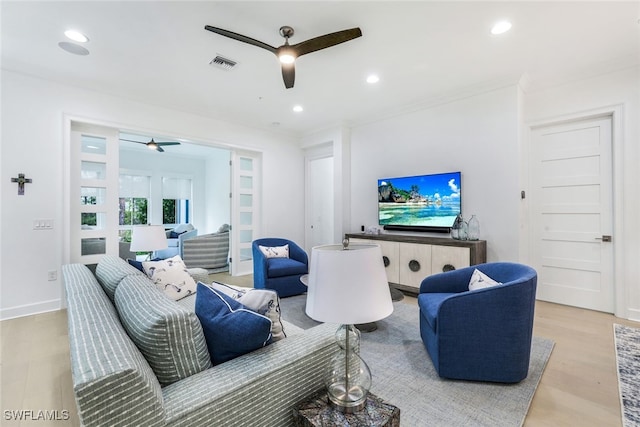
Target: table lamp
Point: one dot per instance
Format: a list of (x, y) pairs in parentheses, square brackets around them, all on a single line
[(148, 238), (348, 285)]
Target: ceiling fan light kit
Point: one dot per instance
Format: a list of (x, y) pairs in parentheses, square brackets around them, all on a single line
[(287, 54)]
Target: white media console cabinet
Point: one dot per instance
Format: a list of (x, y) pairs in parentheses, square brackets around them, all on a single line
[(409, 259)]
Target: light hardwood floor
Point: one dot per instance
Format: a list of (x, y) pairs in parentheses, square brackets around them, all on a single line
[(579, 386)]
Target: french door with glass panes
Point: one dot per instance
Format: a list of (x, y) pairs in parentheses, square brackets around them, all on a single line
[(245, 209), (93, 192)]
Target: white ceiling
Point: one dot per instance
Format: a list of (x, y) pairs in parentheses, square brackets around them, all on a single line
[(158, 52)]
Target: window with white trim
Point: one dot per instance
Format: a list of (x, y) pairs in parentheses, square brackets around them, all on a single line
[(133, 208), (176, 200)]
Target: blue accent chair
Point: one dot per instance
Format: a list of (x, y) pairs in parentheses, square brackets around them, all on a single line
[(480, 335), (280, 274)]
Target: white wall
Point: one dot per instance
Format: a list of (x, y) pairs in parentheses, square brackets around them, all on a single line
[(33, 115), (621, 88), (477, 135), (218, 203)]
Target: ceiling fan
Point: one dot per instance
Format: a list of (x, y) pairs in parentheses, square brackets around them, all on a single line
[(288, 53), (152, 145)]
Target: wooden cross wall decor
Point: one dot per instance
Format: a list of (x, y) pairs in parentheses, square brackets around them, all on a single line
[(21, 180)]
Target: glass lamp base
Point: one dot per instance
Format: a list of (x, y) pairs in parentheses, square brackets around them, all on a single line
[(347, 402)]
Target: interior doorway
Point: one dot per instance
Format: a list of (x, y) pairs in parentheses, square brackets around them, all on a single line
[(320, 201), (571, 212)]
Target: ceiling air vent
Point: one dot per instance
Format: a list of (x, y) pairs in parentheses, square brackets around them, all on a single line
[(223, 63)]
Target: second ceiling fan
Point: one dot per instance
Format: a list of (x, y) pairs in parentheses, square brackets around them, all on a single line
[(288, 53), (153, 145)]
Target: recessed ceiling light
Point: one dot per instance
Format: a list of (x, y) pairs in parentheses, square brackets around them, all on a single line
[(372, 78), (76, 36), (501, 27), (76, 49), (298, 108)]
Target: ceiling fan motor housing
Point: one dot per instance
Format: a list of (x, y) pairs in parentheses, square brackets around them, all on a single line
[(286, 31)]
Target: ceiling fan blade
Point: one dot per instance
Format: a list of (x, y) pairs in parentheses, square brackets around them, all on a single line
[(288, 75), (159, 149), (240, 38), (167, 143), (130, 140), (328, 40)]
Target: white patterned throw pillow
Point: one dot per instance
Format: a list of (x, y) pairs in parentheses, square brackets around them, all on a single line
[(479, 280), (171, 277), (275, 251)]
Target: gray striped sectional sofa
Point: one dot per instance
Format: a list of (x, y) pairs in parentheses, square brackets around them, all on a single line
[(140, 359)]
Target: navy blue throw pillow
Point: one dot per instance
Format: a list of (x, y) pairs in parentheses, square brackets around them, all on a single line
[(174, 235), (230, 329), (138, 264)]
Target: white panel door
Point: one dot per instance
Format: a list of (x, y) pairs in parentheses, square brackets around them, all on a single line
[(571, 211), (245, 209), (320, 201)]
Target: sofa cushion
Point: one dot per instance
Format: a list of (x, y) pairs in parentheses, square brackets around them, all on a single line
[(479, 280), (275, 251), (110, 271), (430, 305), (171, 277), (230, 329), (262, 301), (169, 336), (279, 267)]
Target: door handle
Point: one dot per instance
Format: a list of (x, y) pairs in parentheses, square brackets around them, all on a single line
[(604, 238)]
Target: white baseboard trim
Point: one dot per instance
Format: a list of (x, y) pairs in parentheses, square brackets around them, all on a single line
[(30, 309), (633, 314)]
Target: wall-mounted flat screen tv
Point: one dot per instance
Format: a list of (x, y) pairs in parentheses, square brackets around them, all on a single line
[(420, 203)]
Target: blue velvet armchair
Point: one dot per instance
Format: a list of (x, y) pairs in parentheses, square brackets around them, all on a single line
[(480, 335), (280, 274)]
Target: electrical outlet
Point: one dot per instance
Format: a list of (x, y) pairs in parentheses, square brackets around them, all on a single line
[(52, 275)]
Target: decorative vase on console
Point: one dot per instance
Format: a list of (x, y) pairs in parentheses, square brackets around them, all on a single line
[(455, 228), (463, 231), (473, 232)]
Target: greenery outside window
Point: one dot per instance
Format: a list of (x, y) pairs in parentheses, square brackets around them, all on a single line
[(175, 211), (133, 203)]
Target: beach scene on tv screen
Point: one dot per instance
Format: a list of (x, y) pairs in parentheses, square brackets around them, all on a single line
[(424, 200)]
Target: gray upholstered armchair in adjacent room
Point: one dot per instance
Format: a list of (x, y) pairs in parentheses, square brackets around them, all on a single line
[(482, 334), (175, 241), (208, 250)]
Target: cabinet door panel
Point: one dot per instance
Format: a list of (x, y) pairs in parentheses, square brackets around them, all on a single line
[(390, 251), (415, 263), (442, 256)]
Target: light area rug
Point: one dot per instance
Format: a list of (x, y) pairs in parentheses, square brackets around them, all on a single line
[(627, 341), (403, 375)]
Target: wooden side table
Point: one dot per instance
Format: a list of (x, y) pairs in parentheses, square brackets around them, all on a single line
[(316, 412)]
